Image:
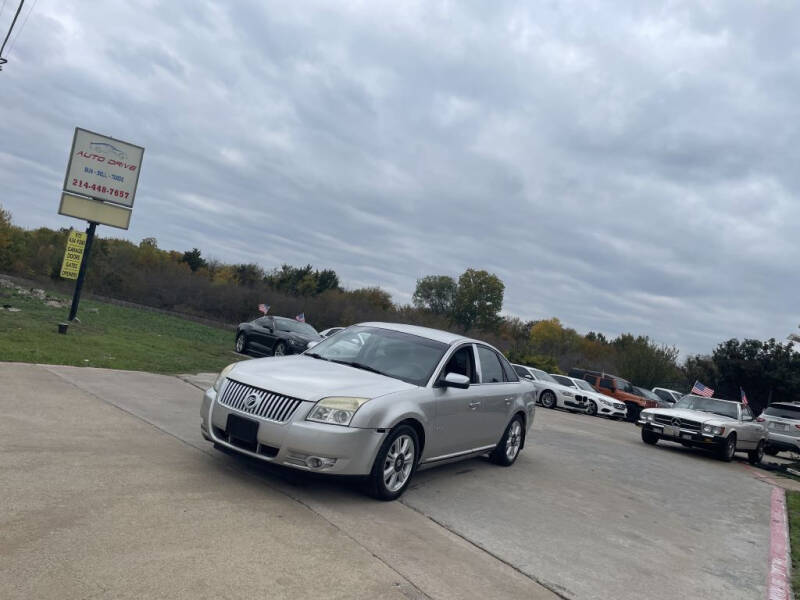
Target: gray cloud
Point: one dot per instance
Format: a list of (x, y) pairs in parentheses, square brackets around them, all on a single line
[(624, 166)]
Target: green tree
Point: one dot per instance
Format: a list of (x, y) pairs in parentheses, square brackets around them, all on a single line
[(644, 362), (479, 300), (194, 259), (436, 293)]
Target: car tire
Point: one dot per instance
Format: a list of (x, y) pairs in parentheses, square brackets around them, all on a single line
[(755, 456), (548, 399), (771, 451), (241, 343), (650, 437), (727, 449), (279, 349), (591, 409), (507, 449), (381, 484)]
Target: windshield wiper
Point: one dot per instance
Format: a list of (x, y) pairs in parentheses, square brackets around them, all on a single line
[(319, 356), (358, 365)]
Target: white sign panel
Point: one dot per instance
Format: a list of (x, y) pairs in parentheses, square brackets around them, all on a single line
[(103, 168)]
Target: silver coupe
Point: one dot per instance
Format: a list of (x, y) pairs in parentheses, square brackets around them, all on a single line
[(376, 400)]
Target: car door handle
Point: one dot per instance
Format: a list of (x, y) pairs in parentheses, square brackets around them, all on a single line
[(474, 405)]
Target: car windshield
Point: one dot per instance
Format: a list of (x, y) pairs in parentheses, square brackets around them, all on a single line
[(584, 385), (710, 405), (403, 356), (564, 381), (647, 394), (785, 411), (541, 375), (295, 326)]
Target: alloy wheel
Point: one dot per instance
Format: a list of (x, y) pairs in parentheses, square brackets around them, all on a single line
[(398, 463), (239, 343), (513, 440), (591, 410), (280, 350)]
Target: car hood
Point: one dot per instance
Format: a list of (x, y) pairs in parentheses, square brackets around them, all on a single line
[(303, 337), (309, 378), (691, 415)]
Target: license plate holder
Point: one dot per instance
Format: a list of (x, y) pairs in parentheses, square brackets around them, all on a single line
[(245, 431), (686, 436)]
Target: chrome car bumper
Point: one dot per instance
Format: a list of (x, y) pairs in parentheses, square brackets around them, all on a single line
[(296, 443), (679, 434)]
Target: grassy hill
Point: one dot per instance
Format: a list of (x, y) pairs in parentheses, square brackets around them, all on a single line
[(107, 336)]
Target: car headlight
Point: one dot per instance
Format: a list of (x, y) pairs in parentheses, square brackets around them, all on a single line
[(336, 410), (649, 417), (604, 402), (713, 430), (567, 394), (222, 375)]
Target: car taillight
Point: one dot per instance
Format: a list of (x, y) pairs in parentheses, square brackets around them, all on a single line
[(798, 426), (760, 419)]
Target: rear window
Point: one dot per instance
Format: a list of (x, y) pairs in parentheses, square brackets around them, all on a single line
[(783, 410)]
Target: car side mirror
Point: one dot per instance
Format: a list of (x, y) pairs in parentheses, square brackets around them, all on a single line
[(311, 344), (456, 380), (528, 376)]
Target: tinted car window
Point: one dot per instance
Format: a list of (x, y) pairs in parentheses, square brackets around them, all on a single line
[(607, 383), (522, 372), (264, 322), (542, 376), (511, 374), (665, 395), (784, 411), (462, 363), (295, 326), (564, 381), (491, 370)]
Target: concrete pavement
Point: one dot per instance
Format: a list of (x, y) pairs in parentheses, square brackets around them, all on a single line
[(110, 492)]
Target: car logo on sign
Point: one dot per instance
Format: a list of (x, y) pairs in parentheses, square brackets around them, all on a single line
[(251, 400)]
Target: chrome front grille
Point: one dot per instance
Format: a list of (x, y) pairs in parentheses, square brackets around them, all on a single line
[(684, 423), (257, 402)]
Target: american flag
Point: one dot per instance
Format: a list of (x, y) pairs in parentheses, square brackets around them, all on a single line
[(702, 390), (744, 397), (263, 308), (301, 317)]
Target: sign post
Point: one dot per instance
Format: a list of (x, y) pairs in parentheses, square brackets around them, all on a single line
[(99, 186)]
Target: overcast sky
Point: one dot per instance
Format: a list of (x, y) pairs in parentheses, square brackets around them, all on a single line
[(624, 166)]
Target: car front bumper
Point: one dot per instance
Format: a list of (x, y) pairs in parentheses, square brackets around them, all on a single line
[(687, 436), (611, 411), (294, 442), (780, 441)]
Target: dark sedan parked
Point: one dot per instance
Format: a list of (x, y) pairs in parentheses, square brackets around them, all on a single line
[(275, 336)]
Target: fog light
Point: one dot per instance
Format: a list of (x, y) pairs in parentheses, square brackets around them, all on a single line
[(320, 462)]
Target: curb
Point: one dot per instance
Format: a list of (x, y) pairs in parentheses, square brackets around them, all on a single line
[(778, 584)]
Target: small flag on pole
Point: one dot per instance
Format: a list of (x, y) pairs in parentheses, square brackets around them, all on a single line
[(702, 390), (301, 317), (744, 397), (263, 308)]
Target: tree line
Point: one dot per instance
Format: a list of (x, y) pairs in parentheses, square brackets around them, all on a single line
[(471, 304)]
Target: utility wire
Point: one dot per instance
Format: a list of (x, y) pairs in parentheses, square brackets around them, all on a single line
[(13, 22), (21, 27)]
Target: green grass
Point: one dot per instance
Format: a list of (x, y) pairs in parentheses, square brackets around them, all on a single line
[(109, 336), (793, 510)]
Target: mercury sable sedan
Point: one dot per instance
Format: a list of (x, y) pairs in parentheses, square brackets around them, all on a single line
[(377, 400), (724, 426)]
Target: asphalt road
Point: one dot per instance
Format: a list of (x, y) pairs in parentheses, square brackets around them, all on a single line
[(588, 511)]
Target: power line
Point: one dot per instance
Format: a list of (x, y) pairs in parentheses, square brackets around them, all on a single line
[(21, 27), (13, 22)]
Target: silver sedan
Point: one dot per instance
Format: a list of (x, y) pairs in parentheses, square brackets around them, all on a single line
[(377, 400)]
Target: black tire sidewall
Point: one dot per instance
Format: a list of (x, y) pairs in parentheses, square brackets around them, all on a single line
[(275, 349), (498, 455), (590, 411), (377, 488), (242, 337), (753, 457), (722, 451), (649, 437), (549, 396)]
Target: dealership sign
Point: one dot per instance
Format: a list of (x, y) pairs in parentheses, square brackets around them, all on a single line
[(103, 168)]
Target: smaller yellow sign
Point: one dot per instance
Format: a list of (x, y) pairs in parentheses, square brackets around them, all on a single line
[(73, 255)]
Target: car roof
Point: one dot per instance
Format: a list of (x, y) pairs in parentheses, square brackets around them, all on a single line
[(427, 332)]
